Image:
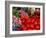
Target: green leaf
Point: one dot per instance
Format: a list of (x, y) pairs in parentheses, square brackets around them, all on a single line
[(15, 13)]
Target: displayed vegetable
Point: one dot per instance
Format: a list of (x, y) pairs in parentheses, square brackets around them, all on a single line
[(22, 21)]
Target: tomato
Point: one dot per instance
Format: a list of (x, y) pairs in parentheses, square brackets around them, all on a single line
[(29, 29), (32, 26), (37, 27), (32, 19), (35, 23), (28, 25), (24, 28)]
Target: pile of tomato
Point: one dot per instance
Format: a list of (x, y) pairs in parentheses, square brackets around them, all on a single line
[(32, 23)]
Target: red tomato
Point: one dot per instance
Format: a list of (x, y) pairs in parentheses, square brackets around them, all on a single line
[(37, 27), (32, 19), (35, 23), (32, 26), (29, 28), (28, 25), (26, 17), (24, 28)]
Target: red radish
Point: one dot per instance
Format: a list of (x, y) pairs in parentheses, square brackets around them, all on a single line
[(20, 22), (37, 11), (14, 17), (18, 29), (22, 12)]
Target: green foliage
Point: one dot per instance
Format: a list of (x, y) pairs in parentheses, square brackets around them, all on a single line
[(15, 12)]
